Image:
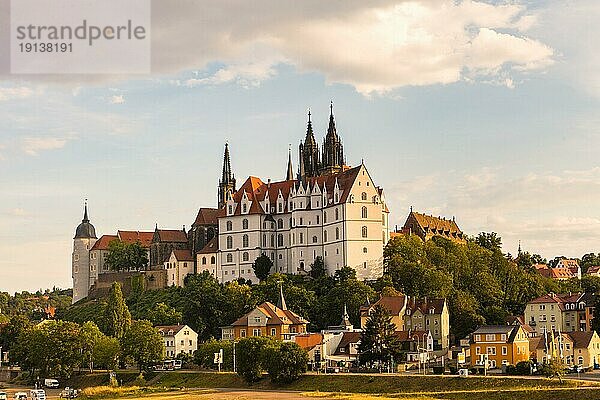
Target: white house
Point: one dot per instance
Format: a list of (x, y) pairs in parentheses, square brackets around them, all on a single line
[(178, 339), (179, 265)]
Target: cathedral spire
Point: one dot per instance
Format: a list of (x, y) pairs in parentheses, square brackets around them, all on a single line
[(227, 181), (309, 153), (281, 301), (333, 150), (290, 170), (226, 165)]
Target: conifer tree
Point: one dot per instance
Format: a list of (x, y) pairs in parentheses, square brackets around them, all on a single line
[(116, 317), (378, 344)]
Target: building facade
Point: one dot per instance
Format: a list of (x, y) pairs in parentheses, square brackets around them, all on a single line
[(178, 339), (428, 226), (179, 265), (500, 344), (570, 312), (84, 239)]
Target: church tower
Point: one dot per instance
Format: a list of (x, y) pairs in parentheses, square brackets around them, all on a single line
[(333, 151), (309, 154), (85, 237), (227, 181), (289, 176)]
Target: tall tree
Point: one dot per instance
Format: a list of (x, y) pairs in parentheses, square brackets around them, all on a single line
[(489, 240), (378, 344), (317, 268), (126, 256), (262, 267), (142, 343), (116, 315)]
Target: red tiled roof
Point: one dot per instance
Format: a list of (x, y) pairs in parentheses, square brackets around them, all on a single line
[(211, 247), (103, 242), (164, 329), (145, 238), (275, 316), (183, 255), (557, 273), (171, 235), (347, 338), (559, 299), (594, 269), (207, 216)]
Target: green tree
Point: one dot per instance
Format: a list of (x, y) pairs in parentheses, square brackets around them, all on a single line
[(162, 314), (142, 343), (11, 332), (204, 356), (490, 241), (262, 267), (249, 357), (378, 344), (284, 362), (90, 336), (116, 315), (317, 268), (106, 352), (126, 256)]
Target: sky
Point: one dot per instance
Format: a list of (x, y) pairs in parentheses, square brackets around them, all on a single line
[(482, 110)]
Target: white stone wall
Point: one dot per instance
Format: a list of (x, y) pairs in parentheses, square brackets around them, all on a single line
[(80, 267)]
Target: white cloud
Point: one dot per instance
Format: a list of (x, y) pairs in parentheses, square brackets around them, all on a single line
[(117, 99), (33, 145), (12, 93)]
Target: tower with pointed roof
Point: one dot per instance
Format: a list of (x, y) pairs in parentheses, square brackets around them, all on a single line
[(333, 150), (227, 181), (309, 154), (84, 239), (289, 176)]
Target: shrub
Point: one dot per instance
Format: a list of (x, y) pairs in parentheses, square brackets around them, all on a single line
[(249, 352), (284, 362), (524, 368), (205, 354)]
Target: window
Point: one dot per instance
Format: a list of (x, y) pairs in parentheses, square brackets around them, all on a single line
[(203, 260), (364, 212), (230, 210), (325, 236), (229, 225), (301, 221), (336, 198), (244, 208), (337, 214), (491, 350), (257, 320), (280, 240), (273, 331), (256, 332), (245, 224), (272, 240), (212, 260), (229, 260), (314, 239), (364, 231), (490, 337), (279, 207), (363, 196), (229, 242), (245, 241), (264, 242), (245, 256), (337, 233), (477, 350), (280, 223), (301, 237), (364, 249), (243, 333), (325, 217), (504, 350)]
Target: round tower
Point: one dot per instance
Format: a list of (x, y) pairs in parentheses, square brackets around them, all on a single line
[(85, 237)]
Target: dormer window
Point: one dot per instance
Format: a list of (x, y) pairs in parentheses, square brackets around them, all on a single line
[(280, 207), (244, 208), (230, 210)]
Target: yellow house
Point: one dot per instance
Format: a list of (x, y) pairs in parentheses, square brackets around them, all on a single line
[(503, 344), (574, 348)]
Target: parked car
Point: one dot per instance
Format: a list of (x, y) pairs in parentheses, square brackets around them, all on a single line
[(20, 396), (37, 394), (51, 383), (3, 396), (576, 369), (69, 393)]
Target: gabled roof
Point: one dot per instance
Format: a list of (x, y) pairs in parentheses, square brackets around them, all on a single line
[(171, 235), (560, 299), (145, 238), (211, 247), (435, 224), (207, 216), (594, 269), (275, 315), (103, 242), (581, 339), (347, 339), (557, 273), (165, 329), (394, 304), (183, 255), (409, 336)]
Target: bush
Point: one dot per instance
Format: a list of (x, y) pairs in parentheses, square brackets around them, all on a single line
[(284, 362), (524, 368), (249, 352), (140, 380), (205, 354)]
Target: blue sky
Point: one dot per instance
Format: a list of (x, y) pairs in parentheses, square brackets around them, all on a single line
[(486, 111)]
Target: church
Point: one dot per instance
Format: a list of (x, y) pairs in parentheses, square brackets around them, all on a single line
[(325, 209)]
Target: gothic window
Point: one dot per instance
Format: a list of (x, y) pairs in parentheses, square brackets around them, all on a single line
[(364, 231), (325, 217), (229, 242), (212, 260), (280, 207), (317, 219), (245, 241), (280, 240), (314, 239), (364, 212), (279, 223), (210, 234), (229, 225), (203, 260), (229, 258), (264, 242), (290, 222), (230, 210), (336, 198), (301, 221), (374, 199), (337, 214), (272, 240), (337, 233), (363, 196), (245, 256), (351, 198), (325, 236), (364, 249), (301, 237), (264, 224), (245, 224)]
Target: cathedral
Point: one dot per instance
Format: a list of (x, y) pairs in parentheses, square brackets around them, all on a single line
[(325, 209)]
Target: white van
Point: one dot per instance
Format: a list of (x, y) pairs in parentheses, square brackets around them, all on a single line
[(3, 396), (51, 383), (37, 394)]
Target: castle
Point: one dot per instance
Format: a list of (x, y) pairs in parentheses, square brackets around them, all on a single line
[(328, 209)]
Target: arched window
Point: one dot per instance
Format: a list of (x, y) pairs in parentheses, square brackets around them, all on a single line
[(364, 250), (315, 239), (229, 225), (279, 223), (264, 242), (317, 219), (212, 260), (229, 242), (229, 210), (325, 236), (337, 214), (245, 224), (245, 256), (364, 212), (280, 240), (364, 231), (245, 241), (363, 196), (337, 198), (290, 222), (210, 233), (203, 260), (229, 258), (279, 207), (325, 217), (244, 208), (272, 240), (351, 198), (375, 200), (337, 233)]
